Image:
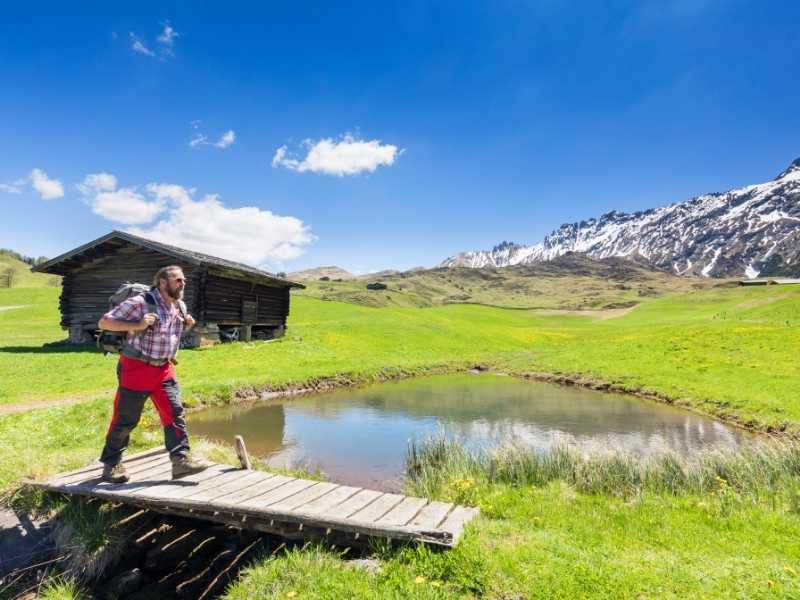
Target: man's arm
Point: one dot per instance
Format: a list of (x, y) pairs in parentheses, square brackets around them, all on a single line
[(119, 325), (128, 316)]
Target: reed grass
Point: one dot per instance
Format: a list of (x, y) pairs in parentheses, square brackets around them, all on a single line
[(63, 588), (441, 465)]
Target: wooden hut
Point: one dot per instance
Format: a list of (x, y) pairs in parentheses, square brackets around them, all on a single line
[(229, 300)]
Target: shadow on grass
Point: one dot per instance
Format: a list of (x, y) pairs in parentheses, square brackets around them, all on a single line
[(50, 348)]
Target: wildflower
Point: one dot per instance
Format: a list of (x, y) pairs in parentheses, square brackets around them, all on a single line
[(291, 594), (789, 570), (419, 579), (436, 583)]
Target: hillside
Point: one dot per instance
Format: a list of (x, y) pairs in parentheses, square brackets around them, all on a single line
[(22, 277), (569, 282), (749, 231), (331, 272)]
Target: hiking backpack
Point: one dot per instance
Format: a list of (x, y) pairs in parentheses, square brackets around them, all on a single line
[(111, 342)]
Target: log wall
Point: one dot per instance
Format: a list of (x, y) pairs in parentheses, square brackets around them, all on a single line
[(223, 296), (212, 297), (85, 291)]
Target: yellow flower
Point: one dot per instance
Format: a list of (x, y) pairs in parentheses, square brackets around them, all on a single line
[(419, 579), (436, 583), (291, 594), (789, 570)]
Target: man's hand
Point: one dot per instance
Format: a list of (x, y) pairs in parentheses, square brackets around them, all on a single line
[(147, 321), (188, 322)]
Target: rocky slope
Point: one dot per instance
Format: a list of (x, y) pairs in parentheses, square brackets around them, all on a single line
[(750, 231)]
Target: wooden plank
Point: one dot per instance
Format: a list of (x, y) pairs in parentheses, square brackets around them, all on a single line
[(375, 510), (154, 476), (308, 495), (226, 484), (97, 464), (165, 489), (235, 498), (175, 489), (143, 469), (458, 517), (352, 504), (431, 515), (97, 467), (328, 501), (403, 512), (276, 495)]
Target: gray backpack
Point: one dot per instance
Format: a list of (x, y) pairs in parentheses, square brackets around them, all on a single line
[(111, 342)]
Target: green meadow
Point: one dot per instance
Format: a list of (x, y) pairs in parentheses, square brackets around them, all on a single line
[(729, 352), (543, 531)]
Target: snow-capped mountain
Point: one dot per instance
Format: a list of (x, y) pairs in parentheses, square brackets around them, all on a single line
[(750, 231)]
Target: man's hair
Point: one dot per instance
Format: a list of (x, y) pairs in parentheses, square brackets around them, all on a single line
[(163, 273)]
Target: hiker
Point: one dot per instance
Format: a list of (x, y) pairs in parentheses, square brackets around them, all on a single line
[(146, 368)]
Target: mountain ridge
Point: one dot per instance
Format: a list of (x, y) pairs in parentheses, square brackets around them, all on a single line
[(748, 231)]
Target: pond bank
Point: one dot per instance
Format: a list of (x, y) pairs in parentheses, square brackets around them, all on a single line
[(253, 394)]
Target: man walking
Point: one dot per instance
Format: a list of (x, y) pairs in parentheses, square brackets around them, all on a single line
[(146, 368)]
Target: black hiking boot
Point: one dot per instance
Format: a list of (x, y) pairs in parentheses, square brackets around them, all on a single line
[(115, 473), (186, 465)]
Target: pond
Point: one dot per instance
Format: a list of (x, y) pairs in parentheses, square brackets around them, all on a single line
[(359, 436)]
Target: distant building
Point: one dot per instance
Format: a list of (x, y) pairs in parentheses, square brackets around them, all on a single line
[(229, 300), (770, 281)]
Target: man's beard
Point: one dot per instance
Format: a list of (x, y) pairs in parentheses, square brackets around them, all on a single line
[(174, 293)]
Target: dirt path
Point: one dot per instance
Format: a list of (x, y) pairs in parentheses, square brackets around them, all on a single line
[(7, 409), (601, 315)]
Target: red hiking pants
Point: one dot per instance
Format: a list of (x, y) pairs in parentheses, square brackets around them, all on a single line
[(138, 381)]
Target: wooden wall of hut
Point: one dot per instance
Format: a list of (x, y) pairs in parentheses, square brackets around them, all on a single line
[(85, 292), (223, 298)]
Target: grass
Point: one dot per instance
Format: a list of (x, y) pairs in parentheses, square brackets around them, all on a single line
[(22, 276), (554, 526), (558, 525), (63, 589), (726, 352)]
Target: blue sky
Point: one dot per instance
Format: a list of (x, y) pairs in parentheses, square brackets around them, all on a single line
[(409, 131)]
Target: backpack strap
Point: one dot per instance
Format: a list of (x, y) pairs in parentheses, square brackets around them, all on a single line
[(182, 309), (150, 300), (152, 307)]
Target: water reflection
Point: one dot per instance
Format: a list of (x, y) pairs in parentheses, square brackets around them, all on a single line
[(360, 436)]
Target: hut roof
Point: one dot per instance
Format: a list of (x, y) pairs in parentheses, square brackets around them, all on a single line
[(63, 264), (770, 281)]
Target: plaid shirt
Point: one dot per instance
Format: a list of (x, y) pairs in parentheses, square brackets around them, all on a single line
[(163, 338)]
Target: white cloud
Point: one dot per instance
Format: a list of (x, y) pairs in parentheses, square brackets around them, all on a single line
[(48, 189), (97, 182), (12, 188), (124, 205), (164, 192), (199, 139), (168, 35), (138, 46), (348, 156), (226, 140), (247, 234)]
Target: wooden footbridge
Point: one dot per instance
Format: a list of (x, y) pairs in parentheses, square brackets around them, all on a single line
[(286, 506)]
